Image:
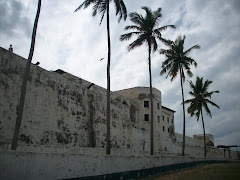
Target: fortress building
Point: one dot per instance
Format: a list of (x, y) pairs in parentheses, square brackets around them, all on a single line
[(64, 113)]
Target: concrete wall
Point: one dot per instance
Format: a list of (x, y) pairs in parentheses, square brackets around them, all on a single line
[(20, 165)]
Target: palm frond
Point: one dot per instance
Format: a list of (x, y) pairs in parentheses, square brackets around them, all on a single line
[(190, 61), (148, 11), (154, 43), (190, 49), (136, 18), (127, 36), (206, 85), (212, 103), (191, 85), (120, 9), (85, 4), (188, 101), (124, 9), (192, 94), (165, 51), (165, 28), (157, 14), (207, 109), (163, 71), (165, 41), (167, 65), (95, 7), (133, 27), (138, 42), (102, 16), (189, 72)]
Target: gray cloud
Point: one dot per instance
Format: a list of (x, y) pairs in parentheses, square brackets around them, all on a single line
[(12, 19)]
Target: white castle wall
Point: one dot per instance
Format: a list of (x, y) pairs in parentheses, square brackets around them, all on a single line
[(63, 115), (60, 111)]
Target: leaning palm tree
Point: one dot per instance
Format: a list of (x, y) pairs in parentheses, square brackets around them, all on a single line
[(177, 60), (200, 101), (147, 30), (24, 83), (102, 6)]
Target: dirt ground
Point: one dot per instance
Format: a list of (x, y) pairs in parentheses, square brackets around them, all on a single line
[(227, 171)]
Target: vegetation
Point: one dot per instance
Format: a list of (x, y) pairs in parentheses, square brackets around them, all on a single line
[(210, 171), (178, 61), (24, 83), (102, 6), (200, 101), (147, 31)]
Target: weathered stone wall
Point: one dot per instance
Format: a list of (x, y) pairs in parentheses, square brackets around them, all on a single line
[(64, 113), (61, 110), (54, 112), (142, 95)]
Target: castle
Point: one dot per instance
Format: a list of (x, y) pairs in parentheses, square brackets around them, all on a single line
[(64, 113)]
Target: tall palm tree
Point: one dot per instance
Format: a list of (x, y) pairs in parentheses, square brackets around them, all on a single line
[(147, 30), (200, 101), (102, 6), (24, 83), (178, 61)]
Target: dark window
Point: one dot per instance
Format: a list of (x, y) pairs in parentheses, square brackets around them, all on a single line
[(146, 103), (167, 119), (168, 130), (158, 105), (163, 118), (172, 121), (146, 117), (158, 119), (163, 128)]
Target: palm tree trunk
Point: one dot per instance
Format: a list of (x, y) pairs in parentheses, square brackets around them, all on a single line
[(151, 99), (205, 147), (108, 148), (24, 83), (183, 148)]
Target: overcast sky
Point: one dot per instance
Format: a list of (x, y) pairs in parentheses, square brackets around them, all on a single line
[(75, 43)]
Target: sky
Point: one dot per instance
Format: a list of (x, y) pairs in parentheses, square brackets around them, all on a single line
[(75, 43)]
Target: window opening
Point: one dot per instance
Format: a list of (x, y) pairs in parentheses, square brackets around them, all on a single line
[(146, 103), (146, 118)]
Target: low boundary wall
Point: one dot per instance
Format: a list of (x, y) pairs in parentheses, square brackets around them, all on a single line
[(140, 174), (31, 165)]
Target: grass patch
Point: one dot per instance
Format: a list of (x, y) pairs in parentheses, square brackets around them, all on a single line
[(227, 171)]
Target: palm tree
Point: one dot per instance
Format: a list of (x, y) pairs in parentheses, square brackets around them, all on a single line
[(102, 6), (147, 30), (24, 83), (200, 101), (177, 60)]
